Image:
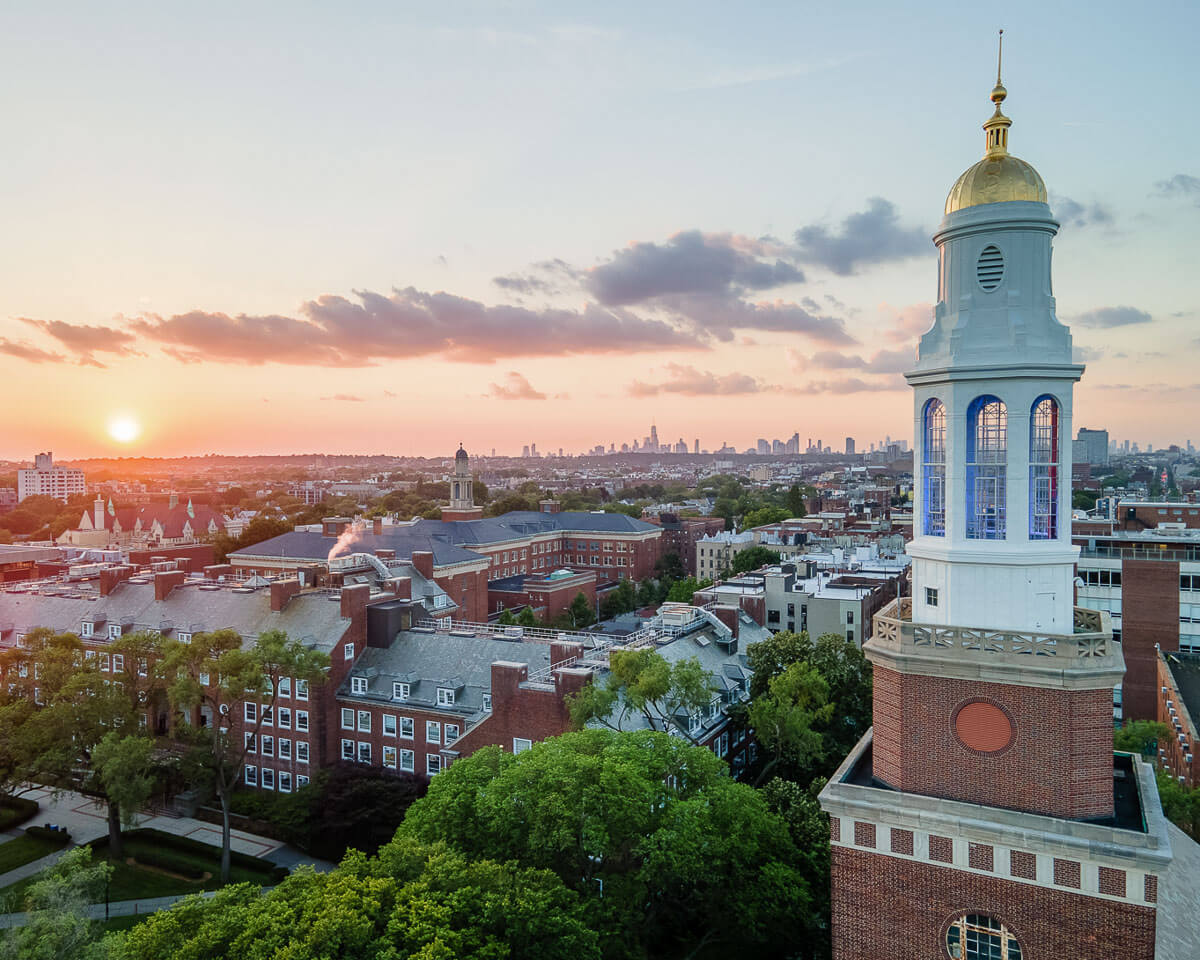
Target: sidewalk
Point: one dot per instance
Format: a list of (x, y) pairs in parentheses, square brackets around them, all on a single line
[(124, 908), (86, 820)]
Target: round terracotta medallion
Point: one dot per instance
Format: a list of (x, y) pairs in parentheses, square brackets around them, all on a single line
[(983, 726)]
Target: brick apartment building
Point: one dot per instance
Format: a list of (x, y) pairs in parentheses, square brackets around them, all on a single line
[(1178, 708), (681, 534), (1148, 579)]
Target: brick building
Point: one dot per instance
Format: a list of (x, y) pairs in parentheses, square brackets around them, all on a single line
[(984, 816), (547, 596), (681, 534), (1178, 708), (1148, 580), (464, 555)]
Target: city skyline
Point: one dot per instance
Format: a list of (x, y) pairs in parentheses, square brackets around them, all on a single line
[(434, 246)]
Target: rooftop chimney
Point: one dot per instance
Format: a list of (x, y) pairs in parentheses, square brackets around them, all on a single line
[(218, 570), (167, 581), (423, 561), (354, 599), (282, 591), (111, 577), (377, 526)]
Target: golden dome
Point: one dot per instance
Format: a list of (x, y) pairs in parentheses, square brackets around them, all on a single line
[(999, 176), (995, 179)]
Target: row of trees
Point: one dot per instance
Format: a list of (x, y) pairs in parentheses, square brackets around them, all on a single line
[(163, 713)]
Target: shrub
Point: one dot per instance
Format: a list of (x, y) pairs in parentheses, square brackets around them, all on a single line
[(15, 811), (61, 837)]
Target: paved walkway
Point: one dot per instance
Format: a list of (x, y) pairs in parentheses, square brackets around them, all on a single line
[(86, 820), (124, 908)]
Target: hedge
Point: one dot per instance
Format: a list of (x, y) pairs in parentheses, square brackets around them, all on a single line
[(15, 811), (61, 837)]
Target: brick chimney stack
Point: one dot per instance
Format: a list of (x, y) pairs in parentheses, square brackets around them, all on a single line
[(167, 581), (423, 561), (111, 577), (282, 591), (354, 599), (377, 526)]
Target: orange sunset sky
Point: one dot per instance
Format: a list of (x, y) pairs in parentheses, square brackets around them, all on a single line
[(374, 230)]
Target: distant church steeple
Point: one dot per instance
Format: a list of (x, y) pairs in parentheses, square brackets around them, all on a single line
[(462, 490)]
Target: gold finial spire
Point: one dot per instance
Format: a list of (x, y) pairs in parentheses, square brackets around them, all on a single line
[(997, 126)]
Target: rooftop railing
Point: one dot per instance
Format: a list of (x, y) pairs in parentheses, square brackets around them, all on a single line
[(1090, 642)]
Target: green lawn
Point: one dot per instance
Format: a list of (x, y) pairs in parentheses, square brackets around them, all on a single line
[(163, 855), (24, 849)]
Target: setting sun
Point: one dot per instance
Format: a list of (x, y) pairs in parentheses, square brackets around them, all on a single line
[(124, 429)]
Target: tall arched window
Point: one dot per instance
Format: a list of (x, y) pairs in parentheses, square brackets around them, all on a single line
[(933, 469), (987, 454), (1043, 469)]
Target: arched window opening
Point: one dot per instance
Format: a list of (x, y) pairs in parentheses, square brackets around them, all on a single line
[(933, 469), (987, 455), (1043, 469), (976, 936)]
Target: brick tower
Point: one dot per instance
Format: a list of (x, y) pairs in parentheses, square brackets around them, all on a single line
[(984, 816)]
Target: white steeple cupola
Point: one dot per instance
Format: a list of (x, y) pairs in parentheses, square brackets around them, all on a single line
[(462, 494), (993, 385)]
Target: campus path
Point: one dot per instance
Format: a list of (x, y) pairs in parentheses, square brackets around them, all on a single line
[(86, 820)]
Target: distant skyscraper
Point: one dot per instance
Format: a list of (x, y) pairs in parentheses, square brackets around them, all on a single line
[(697, 445), (1093, 445), (849, 446), (525, 451), (764, 448)]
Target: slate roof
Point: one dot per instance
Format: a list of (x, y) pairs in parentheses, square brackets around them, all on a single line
[(450, 540), (311, 617), (172, 519), (427, 661)]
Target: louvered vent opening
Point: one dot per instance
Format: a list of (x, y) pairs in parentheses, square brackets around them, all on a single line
[(990, 269)]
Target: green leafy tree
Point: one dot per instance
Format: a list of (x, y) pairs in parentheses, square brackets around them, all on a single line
[(642, 683), (652, 823), (506, 619), (842, 666), (623, 599), (527, 618), (670, 565), (579, 614), (808, 827), (511, 502), (1180, 804), (752, 558), (58, 926), (124, 769), (214, 676), (1140, 736), (683, 590), (647, 593), (789, 719), (765, 515), (795, 502)]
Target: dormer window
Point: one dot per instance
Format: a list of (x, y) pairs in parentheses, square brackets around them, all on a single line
[(694, 723), (358, 685), (445, 697), (85, 628), (400, 691), (114, 631)]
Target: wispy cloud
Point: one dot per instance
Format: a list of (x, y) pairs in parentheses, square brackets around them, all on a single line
[(873, 236), (1180, 185), (1071, 213), (346, 398), (689, 381), (24, 351), (515, 387), (1104, 318)]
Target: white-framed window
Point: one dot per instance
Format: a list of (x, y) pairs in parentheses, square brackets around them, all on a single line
[(348, 651), (267, 746), (347, 718), (143, 666), (407, 760), (285, 782), (114, 631), (266, 716), (433, 731), (433, 764), (285, 749), (301, 689), (406, 728), (347, 749), (118, 662), (445, 697), (250, 775), (389, 757), (389, 724), (205, 679), (248, 741), (250, 712), (301, 781), (104, 663), (358, 685), (400, 691), (302, 751), (723, 745), (268, 778), (364, 721), (521, 744), (487, 703), (183, 637), (694, 723), (364, 751), (284, 718), (285, 686), (302, 720), (451, 733), (85, 629)]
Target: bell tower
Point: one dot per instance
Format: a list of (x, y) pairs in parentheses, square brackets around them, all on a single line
[(462, 494), (984, 816)]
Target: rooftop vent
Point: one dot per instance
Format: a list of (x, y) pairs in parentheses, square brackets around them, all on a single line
[(989, 271)]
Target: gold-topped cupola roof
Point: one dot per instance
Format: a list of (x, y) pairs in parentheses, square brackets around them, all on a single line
[(999, 176)]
